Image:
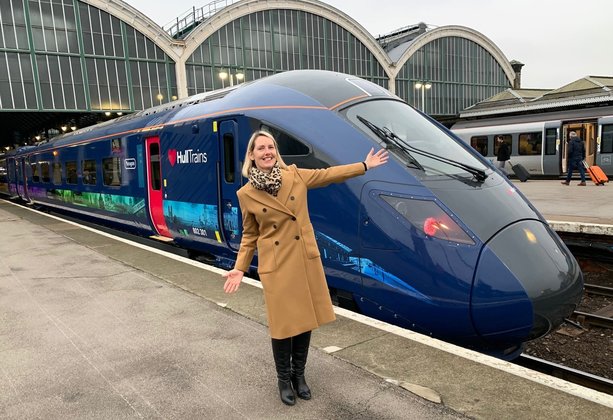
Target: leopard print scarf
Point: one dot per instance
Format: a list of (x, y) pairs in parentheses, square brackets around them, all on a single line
[(269, 182)]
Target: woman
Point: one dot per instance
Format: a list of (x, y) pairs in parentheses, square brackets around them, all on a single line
[(276, 221)]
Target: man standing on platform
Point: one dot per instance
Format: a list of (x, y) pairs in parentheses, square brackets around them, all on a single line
[(575, 156), (503, 154)]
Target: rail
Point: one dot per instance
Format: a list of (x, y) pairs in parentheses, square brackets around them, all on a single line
[(575, 376), (598, 290)]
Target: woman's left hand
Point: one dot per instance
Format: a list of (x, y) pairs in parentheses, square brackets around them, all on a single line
[(376, 159)]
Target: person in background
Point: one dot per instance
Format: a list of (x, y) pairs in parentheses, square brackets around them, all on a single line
[(503, 155), (276, 222), (575, 156)]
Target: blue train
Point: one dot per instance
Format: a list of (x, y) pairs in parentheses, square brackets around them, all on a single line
[(436, 241)]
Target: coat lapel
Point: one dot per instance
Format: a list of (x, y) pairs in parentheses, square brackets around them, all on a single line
[(268, 200), (287, 182)]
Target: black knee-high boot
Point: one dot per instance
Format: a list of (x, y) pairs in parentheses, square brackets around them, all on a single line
[(300, 351), (282, 352)]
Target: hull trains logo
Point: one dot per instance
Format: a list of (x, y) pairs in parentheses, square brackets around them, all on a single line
[(186, 156)]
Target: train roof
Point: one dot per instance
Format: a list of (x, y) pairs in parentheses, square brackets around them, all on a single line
[(300, 88)]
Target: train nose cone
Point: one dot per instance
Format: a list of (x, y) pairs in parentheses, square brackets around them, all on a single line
[(526, 283)]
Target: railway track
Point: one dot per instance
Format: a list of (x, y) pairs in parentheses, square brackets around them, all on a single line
[(598, 290), (568, 374)]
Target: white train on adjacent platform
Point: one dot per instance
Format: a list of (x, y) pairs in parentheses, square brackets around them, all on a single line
[(538, 141)]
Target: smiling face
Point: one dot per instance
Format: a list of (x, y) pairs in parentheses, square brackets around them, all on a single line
[(264, 153)]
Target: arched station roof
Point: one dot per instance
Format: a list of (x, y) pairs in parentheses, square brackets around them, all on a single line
[(142, 23), (122, 81), (460, 32), (246, 7)]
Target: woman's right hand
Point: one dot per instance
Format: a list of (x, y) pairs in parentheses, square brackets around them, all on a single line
[(233, 280)]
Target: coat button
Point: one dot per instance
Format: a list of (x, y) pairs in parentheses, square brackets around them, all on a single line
[(292, 198), (297, 237), (264, 210), (293, 218), (276, 242)]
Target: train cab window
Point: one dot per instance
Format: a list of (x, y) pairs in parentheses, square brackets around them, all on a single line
[(506, 138), (228, 155), (530, 144), (606, 143), (44, 172), (71, 172), (551, 136), (111, 171), (89, 172), (34, 172), (479, 143)]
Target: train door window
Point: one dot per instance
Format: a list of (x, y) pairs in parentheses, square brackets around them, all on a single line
[(530, 144), (479, 143), (89, 171), (551, 136), (71, 172), (34, 172), (506, 138), (606, 143), (228, 153), (12, 173), (156, 174), (44, 172), (57, 173), (111, 171)]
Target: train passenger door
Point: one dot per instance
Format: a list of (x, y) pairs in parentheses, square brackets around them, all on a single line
[(551, 149), (12, 176), (229, 182), (22, 179), (154, 186), (587, 130)]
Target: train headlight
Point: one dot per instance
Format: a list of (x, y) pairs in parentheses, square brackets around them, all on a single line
[(429, 218)]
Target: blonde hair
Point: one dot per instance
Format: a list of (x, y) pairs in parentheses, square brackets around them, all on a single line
[(248, 163)]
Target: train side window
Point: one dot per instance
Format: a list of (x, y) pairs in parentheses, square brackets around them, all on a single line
[(288, 145), (34, 172), (506, 138), (228, 156), (111, 171), (295, 151), (551, 135), (89, 172), (71, 172), (530, 144), (44, 171), (57, 173), (606, 143), (479, 143)]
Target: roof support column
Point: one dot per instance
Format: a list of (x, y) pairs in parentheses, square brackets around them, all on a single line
[(181, 74), (391, 84)]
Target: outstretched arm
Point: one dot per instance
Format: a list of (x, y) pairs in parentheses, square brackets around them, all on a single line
[(315, 178)]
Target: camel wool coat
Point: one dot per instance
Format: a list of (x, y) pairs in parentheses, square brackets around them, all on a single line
[(289, 265)]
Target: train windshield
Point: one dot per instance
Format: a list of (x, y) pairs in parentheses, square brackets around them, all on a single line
[(414, 139)]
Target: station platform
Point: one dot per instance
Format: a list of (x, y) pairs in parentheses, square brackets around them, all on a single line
[(95, 326), (570, 208)]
